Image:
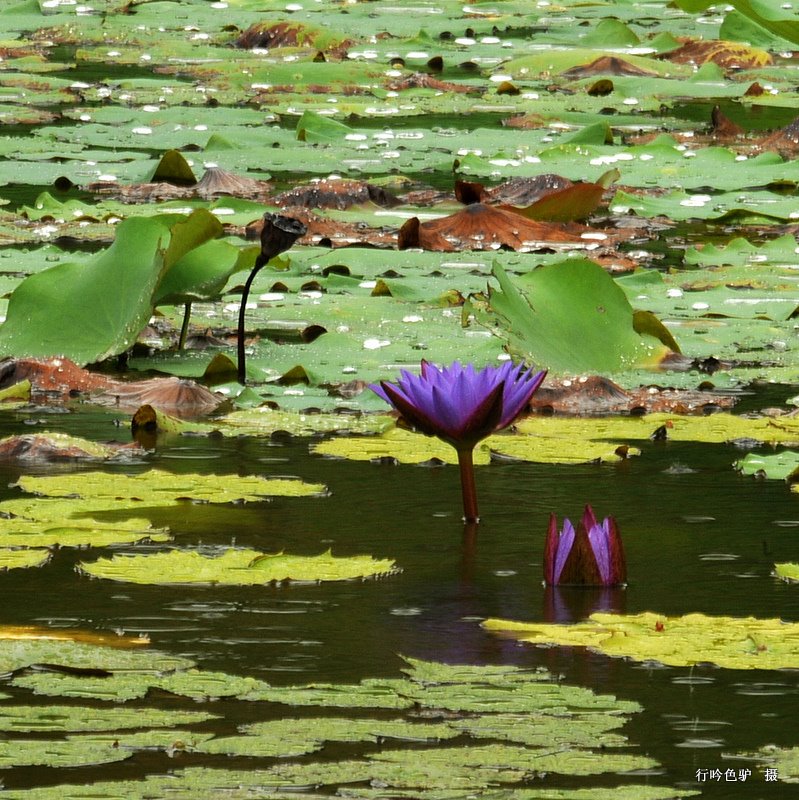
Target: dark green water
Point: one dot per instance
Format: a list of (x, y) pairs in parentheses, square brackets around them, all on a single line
[(699, 537)]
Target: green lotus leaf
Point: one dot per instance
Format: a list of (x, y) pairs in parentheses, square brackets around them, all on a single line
[(787, 571), (780, 466), (203, 273), (769, 14), (624, 792), (55, 312), (314, 128), (404, 446), (544, 315), (519, 698), (585, 730), (564, 440), (728, 642), (201, 783), (235, 568), (520, 706), (741, 252)]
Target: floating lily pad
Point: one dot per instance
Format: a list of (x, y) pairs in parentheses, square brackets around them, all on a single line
[(369, 693), (729, 642), (784, 760), (28, 648), (235, 568), (71, 719), (212, 784), (564, 440), (125, 685), (159, 488), (263, 421), (780, 466), (42, 447), (294, 737), (87, 749), (22, 559), (787, 571)]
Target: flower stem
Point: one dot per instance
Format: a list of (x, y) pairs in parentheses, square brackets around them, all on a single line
[(466, 465)]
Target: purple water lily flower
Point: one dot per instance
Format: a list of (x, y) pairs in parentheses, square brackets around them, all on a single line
[(461, 406), (591, 554)]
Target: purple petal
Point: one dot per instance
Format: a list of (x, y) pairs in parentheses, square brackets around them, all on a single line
[(380, 392), (458, 402), (599, 537), (517, 395), (565, 543)]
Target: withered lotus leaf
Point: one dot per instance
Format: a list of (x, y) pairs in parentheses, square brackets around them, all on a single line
[(338, 194), (595, 394), (577, 201), (784, 141), (327, 232), (526, 191), (272, 35), (218, 181), (41, 448), (55, 376), (421, 80), (606, 65), (177, 395), (214, 183), (482, 227), (727, 55), (546, 197), (723, 127)]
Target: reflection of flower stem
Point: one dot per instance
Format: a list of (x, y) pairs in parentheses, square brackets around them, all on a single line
[(468, 551), (466, 464)]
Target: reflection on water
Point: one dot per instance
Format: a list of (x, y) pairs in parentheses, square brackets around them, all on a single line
[(699, 539)]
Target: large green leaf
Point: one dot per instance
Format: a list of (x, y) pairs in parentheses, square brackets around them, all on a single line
[(569, 317), (90, 311), (769, 14)]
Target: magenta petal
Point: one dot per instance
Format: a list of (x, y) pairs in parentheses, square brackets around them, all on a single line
[(589, 518)]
